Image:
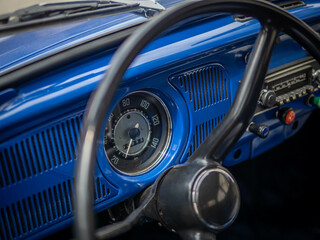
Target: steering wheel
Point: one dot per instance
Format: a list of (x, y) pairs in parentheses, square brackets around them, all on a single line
[(203, 169)]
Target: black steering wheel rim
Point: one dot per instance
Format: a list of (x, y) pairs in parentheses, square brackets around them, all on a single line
[(272, 19)]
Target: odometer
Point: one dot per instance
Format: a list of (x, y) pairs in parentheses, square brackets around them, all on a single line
[(137, 134)]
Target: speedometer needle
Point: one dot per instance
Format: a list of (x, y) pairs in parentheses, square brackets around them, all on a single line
[(130, 143)]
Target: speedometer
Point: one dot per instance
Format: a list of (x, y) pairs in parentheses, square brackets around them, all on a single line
[(138, 133)]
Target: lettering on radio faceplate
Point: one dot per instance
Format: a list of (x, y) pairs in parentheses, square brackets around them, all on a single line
[(288, 84)]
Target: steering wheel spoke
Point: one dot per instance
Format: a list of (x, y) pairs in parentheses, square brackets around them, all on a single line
[(239, 115)]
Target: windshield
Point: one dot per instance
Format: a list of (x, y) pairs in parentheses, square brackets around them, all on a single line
[(60, 12), (13, 5)]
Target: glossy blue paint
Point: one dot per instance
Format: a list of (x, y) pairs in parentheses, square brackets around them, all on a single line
[(21, 48), (163, 54), (31, 117)]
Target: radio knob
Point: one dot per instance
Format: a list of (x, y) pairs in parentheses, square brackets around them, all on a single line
[(268, 98), (316, 76)]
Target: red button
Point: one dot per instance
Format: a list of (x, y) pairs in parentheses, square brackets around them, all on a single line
[(290, 116)]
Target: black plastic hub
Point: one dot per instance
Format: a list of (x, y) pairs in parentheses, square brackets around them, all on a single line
[(198, 196)]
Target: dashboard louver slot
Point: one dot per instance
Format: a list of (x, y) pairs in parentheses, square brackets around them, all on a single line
[(44, 150), (205, 86), (201, 133)]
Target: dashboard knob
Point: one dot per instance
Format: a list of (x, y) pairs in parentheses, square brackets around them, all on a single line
[(315, 101), (316, 76), (260, 130), (286, 115), (268, 98)]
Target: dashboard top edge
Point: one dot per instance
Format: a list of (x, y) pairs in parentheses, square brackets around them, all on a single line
[(301, 12)]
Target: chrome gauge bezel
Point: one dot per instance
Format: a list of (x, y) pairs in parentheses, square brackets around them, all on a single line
[(159, 151)]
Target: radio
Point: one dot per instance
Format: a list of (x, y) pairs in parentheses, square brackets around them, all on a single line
[(290, 83)]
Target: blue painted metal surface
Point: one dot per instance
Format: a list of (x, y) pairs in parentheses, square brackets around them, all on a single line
[(20, 48), (40, 124)]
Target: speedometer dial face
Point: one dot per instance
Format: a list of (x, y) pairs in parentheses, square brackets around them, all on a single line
[(137, 134)]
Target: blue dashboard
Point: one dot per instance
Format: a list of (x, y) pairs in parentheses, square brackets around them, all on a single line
[(193, 70)]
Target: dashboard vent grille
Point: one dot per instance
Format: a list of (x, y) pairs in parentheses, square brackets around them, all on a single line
[(205, 86), (41, 209), (36, 178), (35, 211), (201, 133), (206, 91), (44, 150)]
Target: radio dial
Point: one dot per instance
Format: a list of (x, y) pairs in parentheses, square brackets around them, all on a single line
[(316, 76), (268, 98)]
